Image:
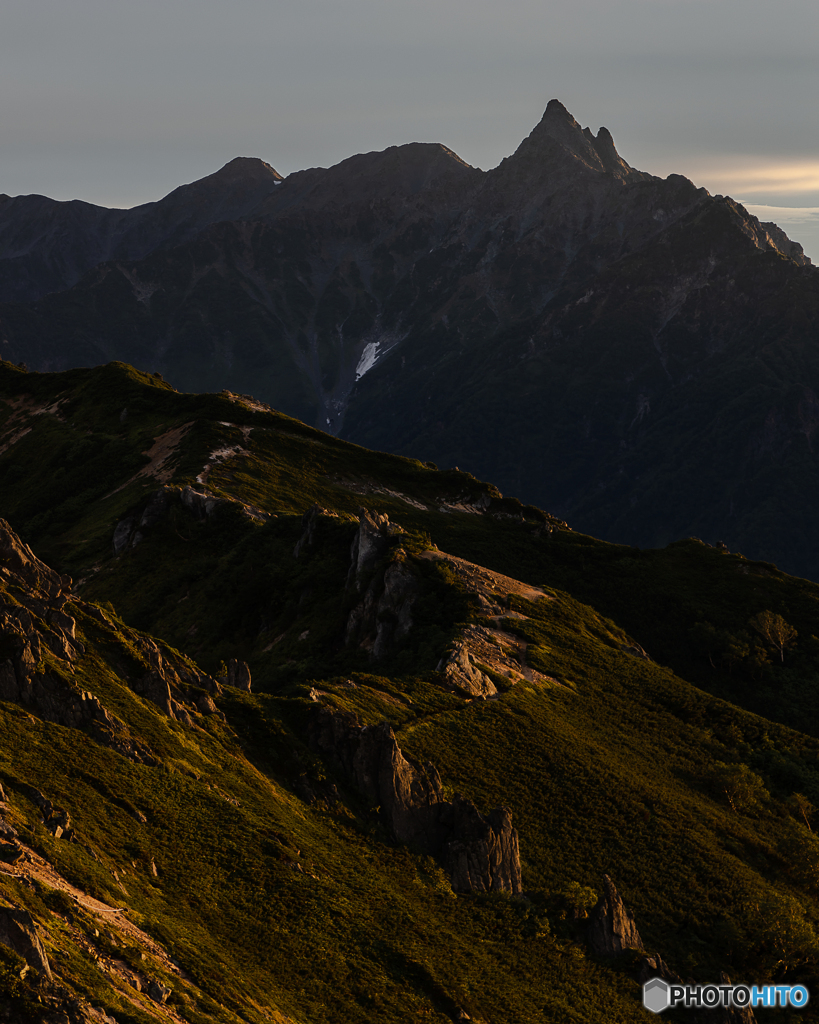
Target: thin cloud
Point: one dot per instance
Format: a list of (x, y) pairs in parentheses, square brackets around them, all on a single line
[(735, 176), (785, 214)]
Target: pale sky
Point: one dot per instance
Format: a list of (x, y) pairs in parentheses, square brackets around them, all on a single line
[(118, 102)]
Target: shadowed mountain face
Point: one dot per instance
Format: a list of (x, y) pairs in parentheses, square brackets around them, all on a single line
[(46, 246), (629, 352)]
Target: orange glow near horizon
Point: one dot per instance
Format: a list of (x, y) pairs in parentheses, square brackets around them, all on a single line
[(738, 175)]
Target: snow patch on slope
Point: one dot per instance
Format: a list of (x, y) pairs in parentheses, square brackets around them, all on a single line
[(368, 359)]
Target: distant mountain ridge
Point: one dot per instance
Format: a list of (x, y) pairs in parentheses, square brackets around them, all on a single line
[(46, 245), (630, 352)]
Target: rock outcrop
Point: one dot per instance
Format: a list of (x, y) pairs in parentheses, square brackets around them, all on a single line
[(159, 992), (18, 560), (56, 700), (462, 673), (611, 928), (38, 619), (238, 675), (480, 854), (131, 531), (199, 501), (310, 522), (726, 1014), (383, 615), (370, 543), (18, 932), (167, 677), (10, 849), (787, 246), (481, 648), (653, 966), (720, 1014), (34, 620), (57, 820), (409, 794)]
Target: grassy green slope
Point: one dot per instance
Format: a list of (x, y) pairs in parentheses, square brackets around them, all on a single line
[(619, 763)]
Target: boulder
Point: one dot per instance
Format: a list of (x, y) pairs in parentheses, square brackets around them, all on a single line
[(159, 992), (611, 928), (18, 932), (461, 673), (9, 832), (11, 852), (59, 823), (67, 1010)]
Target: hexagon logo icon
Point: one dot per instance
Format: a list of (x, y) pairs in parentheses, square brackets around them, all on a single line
[(656, 995)]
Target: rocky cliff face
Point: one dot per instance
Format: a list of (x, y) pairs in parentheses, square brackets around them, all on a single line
[(383, 615), (480, 853), (39, 647)]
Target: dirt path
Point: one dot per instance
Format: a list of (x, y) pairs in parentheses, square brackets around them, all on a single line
[(115, 922), (159, 453), (486, 583), (22, 408)]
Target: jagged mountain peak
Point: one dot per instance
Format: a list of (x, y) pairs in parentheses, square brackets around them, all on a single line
[(558, 136)]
